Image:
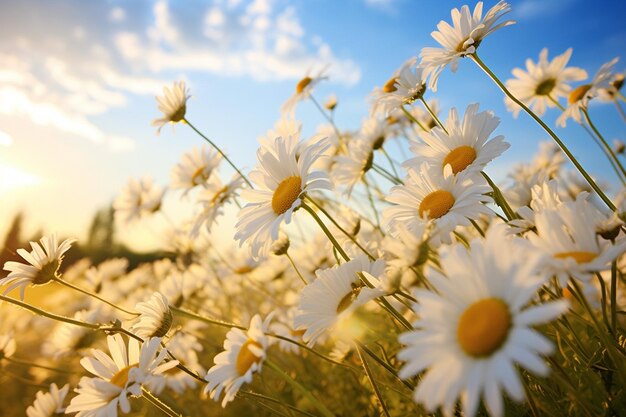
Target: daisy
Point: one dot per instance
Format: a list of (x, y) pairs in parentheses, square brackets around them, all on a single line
[(212, 199), (7, 345), (138, 199), (195, 168), (476, 326), (173, 105), (155, 319), (466, 147), (424, 117), (68, 339), (350, 169), (243, 356), (543, 82), (335, 295), (612, 92), (43, 263), (403, 249), (404, 87), (567, 233), (331, 103), (579, 98), (48, 404), (445, 200), (462, 39), (304, 89), (282, 180), (117, 376), (106, 272)]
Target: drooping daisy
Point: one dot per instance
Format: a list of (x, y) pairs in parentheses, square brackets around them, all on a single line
[(281, 179), (212, 199), (155, 319), (476, 326), (446, 200), (542, 82), (348, 170), (405, 86), (462, 39), (466, 147), (304, 89), (195, 168), (139, 198), (243, 355), (579, 98), (335, 295), (567, 233), (117, 376), (173, 105), (7, 345), (48, 404), (43, 263)]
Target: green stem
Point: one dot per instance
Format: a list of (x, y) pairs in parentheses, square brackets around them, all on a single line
[(391, 164), (477, 227), (368, 372), (158, 404), (326, 231), (299, 387), (370, 198), (293, 264), (545, 127), (220, 152), (433, 115), (49, 315), (258, 396), (327, 117), (413, 119), (614, 297), (385, 174), (385, 365), (620, 110), (499, 198), (604, 143), (97, 297)]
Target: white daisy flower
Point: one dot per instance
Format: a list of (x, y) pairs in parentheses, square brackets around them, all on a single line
[(173, 105), (195, 168), (155, 319), (567, 233), (466, 147), (579, 98), (243, 356), (542, 82), (462, 39), (104, 274), (212, 199), (49, 404), (117, 376), (139, 198), (445, 200), (281, 180), (43, 263), (476, 326), (7, 345), (612, 92), (335, 295), (286, 328), (349, 170), (405, 86), (405, 248), (304, 89)]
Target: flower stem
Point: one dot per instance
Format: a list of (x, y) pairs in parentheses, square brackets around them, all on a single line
[(322, 226), (158, 404), (620, 110), (433, 115), (606, 145), (368, 372), (328, 118), (614, 296), (97, 297), (34, 365), (52, 316), (391, 164), (385, 365), (299, 387), (221, 153), (293, 264), (413, 119), (545, 127), (499, 198), (258, 396)]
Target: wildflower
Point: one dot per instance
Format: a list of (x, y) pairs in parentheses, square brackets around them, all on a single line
[(173, 105)]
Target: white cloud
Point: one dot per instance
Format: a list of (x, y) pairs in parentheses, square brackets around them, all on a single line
[(5, 139), (117, 14)]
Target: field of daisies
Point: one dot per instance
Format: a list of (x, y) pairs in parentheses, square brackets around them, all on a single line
[(366, 285)]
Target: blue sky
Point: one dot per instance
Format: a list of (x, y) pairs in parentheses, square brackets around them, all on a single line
[(78, 80)]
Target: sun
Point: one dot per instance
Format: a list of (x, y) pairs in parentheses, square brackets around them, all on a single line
[(12, 178)]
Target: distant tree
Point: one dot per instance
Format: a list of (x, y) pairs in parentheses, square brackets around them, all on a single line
[(12, 241)]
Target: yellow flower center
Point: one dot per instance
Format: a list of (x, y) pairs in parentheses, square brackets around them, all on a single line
[(198, 177), (390, 85), (545, 87), (220, 196), (286, 193), (179, 114), (578, 93), (245, 358), (47, 273), (347, 300), (243, 270), (483, 327), (120, 379), (302, 84), (436, 204), (579, 256), (460, 158)]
